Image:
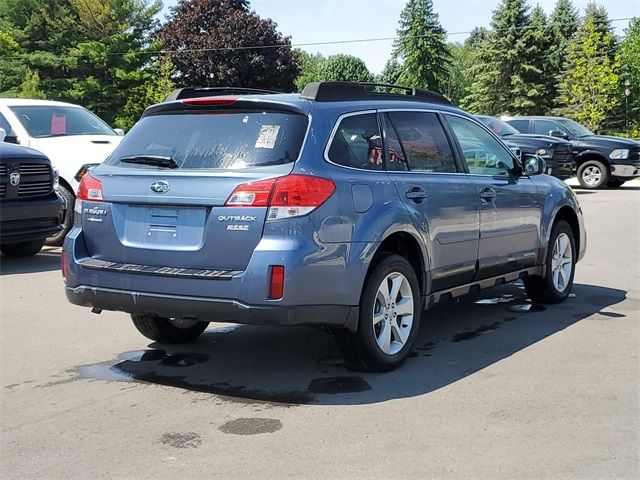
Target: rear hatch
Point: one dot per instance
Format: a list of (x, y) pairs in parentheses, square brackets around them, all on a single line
[(166, 186)]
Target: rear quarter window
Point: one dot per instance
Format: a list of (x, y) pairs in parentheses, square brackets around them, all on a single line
[(357, 143), (521, 125), (220, 139)]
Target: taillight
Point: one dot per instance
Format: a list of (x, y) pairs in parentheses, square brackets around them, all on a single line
[(276, 286), (289, 196), (63, 263), (90, 189)]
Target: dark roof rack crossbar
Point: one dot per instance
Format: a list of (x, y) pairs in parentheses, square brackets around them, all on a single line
[(343, 91), (197, 92)]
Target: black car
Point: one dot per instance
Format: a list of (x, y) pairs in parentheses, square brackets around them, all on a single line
[(556, 152), (601, 161), (30, 208)]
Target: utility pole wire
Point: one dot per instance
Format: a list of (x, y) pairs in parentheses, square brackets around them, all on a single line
[(293, 45)]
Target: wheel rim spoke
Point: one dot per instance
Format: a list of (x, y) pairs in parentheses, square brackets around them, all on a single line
[(392, 316)]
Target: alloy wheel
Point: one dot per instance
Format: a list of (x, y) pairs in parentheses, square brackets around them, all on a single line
[(393, 313), (561, 262), (591, 175)]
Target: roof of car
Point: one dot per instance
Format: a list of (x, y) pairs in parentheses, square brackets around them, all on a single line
[(530, 117), (14, 102), (16, 151)]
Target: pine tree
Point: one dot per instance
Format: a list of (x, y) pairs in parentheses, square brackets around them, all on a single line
[(421, 46), (631, 69), (391, 72), (504, 66), (564, 23), (590, 86), (539, 79)]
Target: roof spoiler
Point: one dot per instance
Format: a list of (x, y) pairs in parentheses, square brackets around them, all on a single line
[(197, 92), (342, 91)]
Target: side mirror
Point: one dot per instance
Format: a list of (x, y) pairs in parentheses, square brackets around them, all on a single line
[(3, 133), (534, 165), (558, 133), (119, 132)]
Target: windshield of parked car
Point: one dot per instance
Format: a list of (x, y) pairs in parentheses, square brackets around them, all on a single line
[(58, 121), (220, 139), (498, 127), (575, 128)]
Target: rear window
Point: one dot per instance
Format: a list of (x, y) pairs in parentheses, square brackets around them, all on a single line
[(59, 121), (520, 125), (222, 139)]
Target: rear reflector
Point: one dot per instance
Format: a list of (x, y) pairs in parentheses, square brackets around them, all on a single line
[(276, 287), (90, 189), (288, 196), (210, 101), (63, 263)]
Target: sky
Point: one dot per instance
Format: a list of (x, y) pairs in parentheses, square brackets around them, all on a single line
[(310, 21)]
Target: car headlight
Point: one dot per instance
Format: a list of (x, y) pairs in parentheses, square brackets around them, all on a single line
[(619, 154), (56, 180), (544, 153)]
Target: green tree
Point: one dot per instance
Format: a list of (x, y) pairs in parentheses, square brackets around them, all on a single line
[(590, 86), (459, 81), (345, 68), (310, 68), (421, 46), (539, 78), (30, 86), (158, 84), (90, 52), (391, 72), (211, 44), (563, 25), (630, 56)]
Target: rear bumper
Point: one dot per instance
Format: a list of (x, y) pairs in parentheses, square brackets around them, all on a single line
[(211, 309), (26, 220)]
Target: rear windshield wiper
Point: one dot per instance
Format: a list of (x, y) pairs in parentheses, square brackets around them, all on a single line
[(157, 160)]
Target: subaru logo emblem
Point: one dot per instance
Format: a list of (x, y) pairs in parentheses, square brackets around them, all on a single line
[(159, 186), (14, 178)]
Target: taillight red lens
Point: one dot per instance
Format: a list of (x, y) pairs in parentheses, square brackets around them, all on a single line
[(253, 194), (276, 288), (301, 191), (90, 189), (289, 196), (63, 263)]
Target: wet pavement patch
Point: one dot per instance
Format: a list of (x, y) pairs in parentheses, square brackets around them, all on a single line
[(505, 298), (468, 335), (181, 440), (526, 308), (251, 426), (336, 385)]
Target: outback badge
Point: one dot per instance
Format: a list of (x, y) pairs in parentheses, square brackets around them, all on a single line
[(159, 186)]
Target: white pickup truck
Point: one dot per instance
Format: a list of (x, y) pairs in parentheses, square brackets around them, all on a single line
[(71, 136)]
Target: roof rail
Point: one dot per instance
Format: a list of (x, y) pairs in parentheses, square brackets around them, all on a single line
[(196, 92), (341, 91)]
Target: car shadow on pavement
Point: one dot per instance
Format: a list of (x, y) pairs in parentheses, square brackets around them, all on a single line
[(46, 261), (293, 365)]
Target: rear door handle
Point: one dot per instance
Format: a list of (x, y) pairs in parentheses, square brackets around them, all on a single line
[(488, 194), (416, 194)]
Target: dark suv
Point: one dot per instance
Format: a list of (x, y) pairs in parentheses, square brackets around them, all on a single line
[(343, 207), (30, 208), (557, 153), (601, 161)]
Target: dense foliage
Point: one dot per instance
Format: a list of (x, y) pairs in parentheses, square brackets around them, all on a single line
[(115, 57)]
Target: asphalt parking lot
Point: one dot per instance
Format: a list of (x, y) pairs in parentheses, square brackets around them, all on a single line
[(493, 389)]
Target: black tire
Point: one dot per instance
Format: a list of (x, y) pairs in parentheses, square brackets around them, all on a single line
[(67, 219), (163, 330), (615, 183), (22, 249), (543, 289), (360, 348), (593, 166)]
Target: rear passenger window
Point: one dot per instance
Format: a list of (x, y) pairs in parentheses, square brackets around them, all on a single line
[(424, 142), (357, 143), (520, 125)]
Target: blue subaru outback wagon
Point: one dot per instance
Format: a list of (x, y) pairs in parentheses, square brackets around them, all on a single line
[(348, 206)]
